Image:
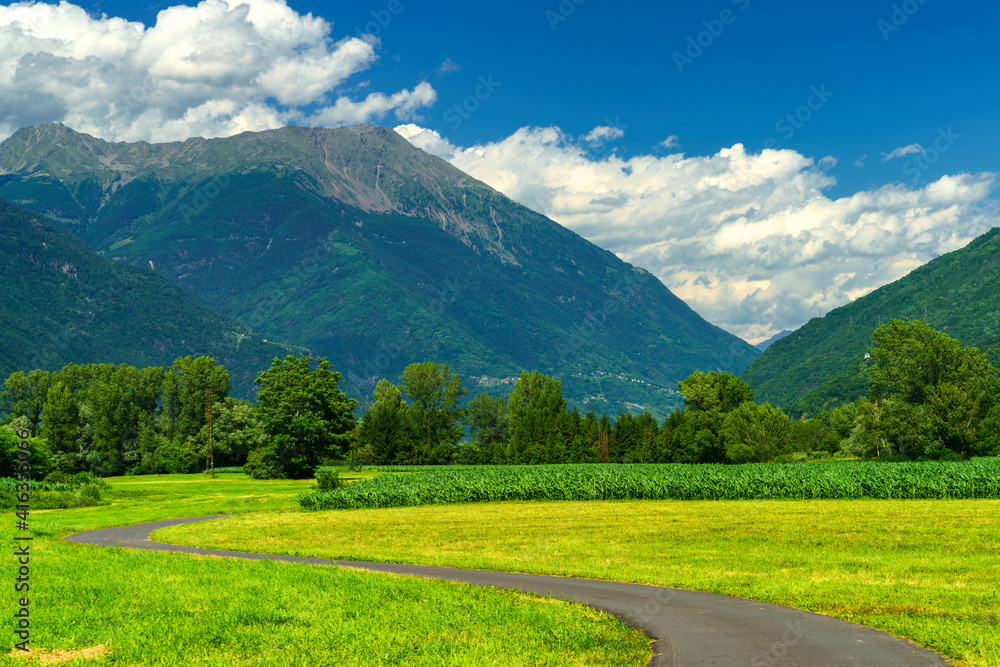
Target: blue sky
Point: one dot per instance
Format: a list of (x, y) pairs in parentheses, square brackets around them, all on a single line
[(928, 66), (882, 115)]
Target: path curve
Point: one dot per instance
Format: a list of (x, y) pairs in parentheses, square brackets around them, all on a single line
[(689, 628)]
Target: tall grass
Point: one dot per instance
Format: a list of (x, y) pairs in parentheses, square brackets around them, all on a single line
[(978, 478)]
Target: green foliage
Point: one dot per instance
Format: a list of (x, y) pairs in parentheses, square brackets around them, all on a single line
[(928, 395), (275, 250), (756, 433), (304, 414), (327, 480), (65, 304), (434, 391), (235, 431), (61, 427), (263, 463), (24, 395), (388, 434), (708, 398), (813, 435), (186, 387), (534, 408), (488, 421), (822, 365), (979, 478), (38, 450)]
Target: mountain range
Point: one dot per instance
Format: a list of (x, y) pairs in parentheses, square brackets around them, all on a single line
[(63, 303), (823, 363), (358, 246)]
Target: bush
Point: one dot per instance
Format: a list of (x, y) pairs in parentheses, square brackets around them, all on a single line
[(58, 477), (262, 463), (327, 480)]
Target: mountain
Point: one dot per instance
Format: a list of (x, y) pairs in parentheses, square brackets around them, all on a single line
[(62, 303), (763, 345), (372, 253), (823, 364)]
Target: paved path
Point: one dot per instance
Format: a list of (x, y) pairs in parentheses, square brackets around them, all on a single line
[(690, 629)]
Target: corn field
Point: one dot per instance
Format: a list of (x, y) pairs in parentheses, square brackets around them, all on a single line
[(978, 478)]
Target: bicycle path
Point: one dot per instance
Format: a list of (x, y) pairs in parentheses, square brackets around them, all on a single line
[(688, 628)]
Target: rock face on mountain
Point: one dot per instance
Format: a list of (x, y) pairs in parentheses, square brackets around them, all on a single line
[(63, 303), (822, 364), (375, 254)]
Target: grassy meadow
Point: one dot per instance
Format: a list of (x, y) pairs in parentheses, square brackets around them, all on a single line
[(926, 570), (113, 606)]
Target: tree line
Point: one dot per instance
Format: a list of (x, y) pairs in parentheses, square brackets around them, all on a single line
[(929, 398)]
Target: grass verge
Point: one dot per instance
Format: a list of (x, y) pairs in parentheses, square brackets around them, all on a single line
[(928, 571)]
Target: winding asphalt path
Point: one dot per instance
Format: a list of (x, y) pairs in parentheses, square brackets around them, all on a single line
[(690, 629)]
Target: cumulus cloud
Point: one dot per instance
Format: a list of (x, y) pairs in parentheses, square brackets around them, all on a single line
[(603, 133), (749, 240), (215, 69), (901, 151)]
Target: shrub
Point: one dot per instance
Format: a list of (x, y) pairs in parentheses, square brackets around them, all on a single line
[(262, 463), (327, 480)]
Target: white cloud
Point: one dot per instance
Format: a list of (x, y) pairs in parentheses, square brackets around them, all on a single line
[(749, 240), (901, 151), (673, 141), (603, 133), (220, 67), (860, 162), (447, 67)]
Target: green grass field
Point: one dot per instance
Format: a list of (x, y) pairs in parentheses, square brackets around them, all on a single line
[(926, 570), (113, 606)]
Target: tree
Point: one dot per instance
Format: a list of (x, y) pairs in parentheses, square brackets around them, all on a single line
[(708, 398), (488, 420), (61, 426), (387, 433), (304, 415), (434, 391), (706, 392), (535, 405), (235, 432), (756, 433), (928, 394), (185, 394), (24, 396), (813, 435)]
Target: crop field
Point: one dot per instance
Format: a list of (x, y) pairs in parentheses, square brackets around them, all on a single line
[(114, 606), (833, 480)]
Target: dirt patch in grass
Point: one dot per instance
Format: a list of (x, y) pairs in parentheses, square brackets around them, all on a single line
[(41, 656)]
